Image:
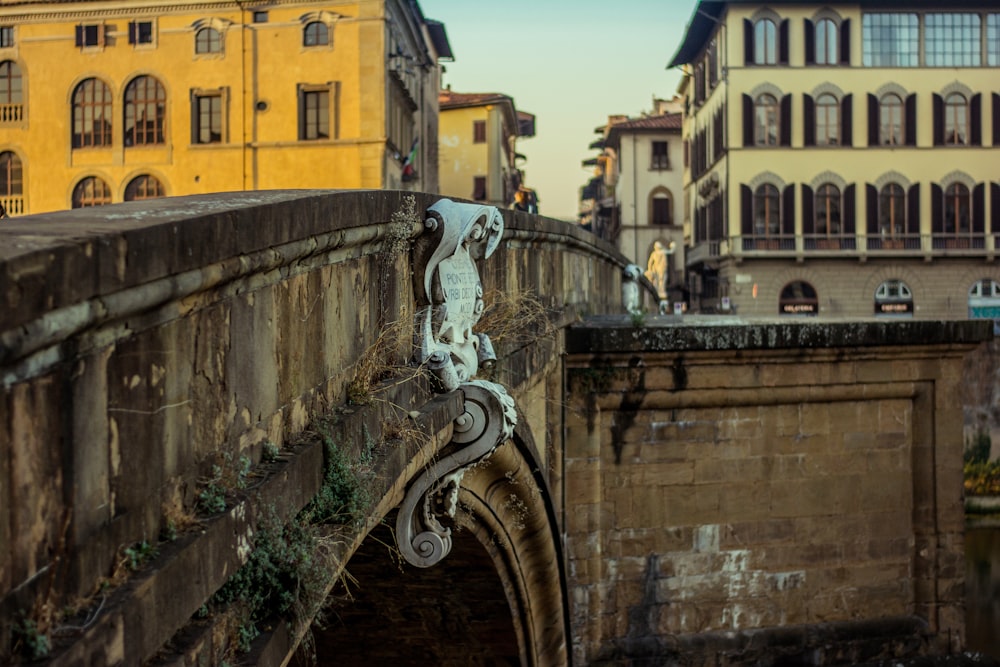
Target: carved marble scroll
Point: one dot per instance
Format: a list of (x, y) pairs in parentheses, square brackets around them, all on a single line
[(449, 296)]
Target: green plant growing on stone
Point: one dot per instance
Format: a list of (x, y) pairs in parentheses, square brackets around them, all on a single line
[(343, 497), (226, 478), (638, 318), (29, 641), (138, 553)]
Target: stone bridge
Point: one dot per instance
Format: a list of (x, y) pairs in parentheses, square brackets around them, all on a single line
[(267, 428)]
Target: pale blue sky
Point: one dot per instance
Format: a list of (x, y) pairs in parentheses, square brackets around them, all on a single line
[(571, 64)]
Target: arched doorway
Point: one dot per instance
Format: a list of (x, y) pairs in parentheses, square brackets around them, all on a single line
[(893, 298)]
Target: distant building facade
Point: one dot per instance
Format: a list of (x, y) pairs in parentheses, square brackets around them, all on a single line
[(840, 160), (634, 198), (478, 146), (103, 103)]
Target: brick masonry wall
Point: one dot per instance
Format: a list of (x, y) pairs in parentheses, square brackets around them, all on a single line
[(736, 489)]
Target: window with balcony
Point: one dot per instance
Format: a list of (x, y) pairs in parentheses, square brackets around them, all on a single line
[(660, 157), (11, 93), (11, 184), (316, 33), (91, 191), (92, 114), (145, 112), (958, 213), (144, 187), (6, 36), (892, 213), (827, 211), (890, 40), (952, 40), (766, 211), (315, 113), (957, 209), (208, 40), (767, 215)]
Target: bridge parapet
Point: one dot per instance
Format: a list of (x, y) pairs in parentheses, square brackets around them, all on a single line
[(150, 350)]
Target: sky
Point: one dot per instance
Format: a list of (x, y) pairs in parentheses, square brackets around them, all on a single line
[(572, 63)]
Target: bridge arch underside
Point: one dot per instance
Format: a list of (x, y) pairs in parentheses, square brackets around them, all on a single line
[(497, 599)]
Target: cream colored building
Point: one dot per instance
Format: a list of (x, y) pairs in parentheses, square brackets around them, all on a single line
[(478, 156), (112, 101), (841, 160), (648, 185)]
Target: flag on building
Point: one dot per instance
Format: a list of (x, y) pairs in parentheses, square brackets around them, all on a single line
[(409, 165)]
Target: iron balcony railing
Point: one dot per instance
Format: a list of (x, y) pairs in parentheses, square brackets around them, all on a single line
[(777, 245)]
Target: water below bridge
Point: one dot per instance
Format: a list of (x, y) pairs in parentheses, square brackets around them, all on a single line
[(982, 584)]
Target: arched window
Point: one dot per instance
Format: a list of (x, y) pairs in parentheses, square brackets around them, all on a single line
[(798, 298), (892, 211), (893, 298), (826, 42), (765, 42), (956, 120), (143, 187), (11, 93), (91, 191), (11, 183), (208, 40), (827, 120), (956, 209), (316, 33), (766, 120), (891, 120), (766, 211), (828, 210), (145, 111), (91, 114)]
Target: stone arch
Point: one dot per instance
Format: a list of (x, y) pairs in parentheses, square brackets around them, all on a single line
[(891, 87), (766, 177), (827, 13), (893, 272), (957, 87), (829, 177), (828, 87), (766, 87), (766, 13), (958, 176), (659, 192), (891, 177)]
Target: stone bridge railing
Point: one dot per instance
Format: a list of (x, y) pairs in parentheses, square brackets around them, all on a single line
[(166, 367)]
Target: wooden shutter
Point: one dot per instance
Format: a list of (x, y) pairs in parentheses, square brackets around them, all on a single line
[(808, 219), (871, 209), (810, 30), (783, 43), (747, 121), (785, 119), (79, 35), (845, 42), (195, 118), (979, 208), (910, 120), (788, 210), (996, 119), (872, 120), (937, 209), (848, 215), (994, 203), (748, 42), (746, 210), (133, 33), (846, 109), (938, 120), (808, 121), (976, 120), (913, 209), (302, 113)]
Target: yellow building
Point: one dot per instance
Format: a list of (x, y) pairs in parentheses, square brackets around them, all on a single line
[(478, 158), (842, 159), (104, 102)]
